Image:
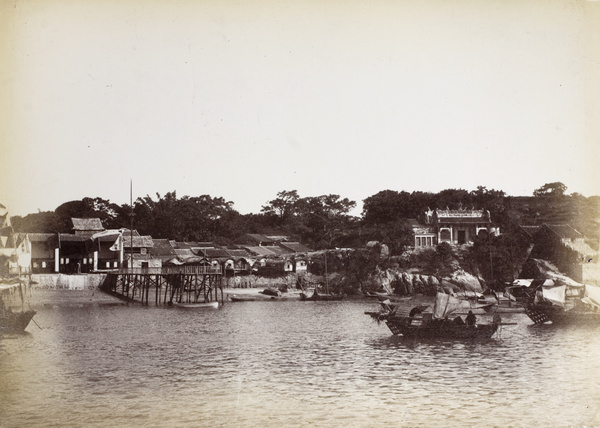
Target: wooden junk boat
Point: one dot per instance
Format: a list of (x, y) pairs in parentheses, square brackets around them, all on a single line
[(11, 320), (561, 302), (436, 321)]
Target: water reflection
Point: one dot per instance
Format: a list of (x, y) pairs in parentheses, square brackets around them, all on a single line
[(288, 363)]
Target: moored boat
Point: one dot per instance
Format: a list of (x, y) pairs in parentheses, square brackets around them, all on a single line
[(427, 321), (13, 320), (197, 305), (241, 298), (561, 302), (316, 296)]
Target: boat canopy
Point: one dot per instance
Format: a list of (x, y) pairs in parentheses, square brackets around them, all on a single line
[(555, 295)]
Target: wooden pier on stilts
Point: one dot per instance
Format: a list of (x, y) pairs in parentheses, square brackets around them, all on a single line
[(167, 285)]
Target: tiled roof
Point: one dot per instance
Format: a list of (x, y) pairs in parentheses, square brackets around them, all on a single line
[(238, 253), (530, 230), (138, 241), (279, 251), (462, 216), (277, 238), (41, 237), (216, 253), (295, 246), (69, 237), (259, 251), (564, 231), (463, 220), (162, 247), (87, 224), (184, 253)]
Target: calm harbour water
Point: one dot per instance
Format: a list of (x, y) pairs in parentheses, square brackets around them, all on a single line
[(290, 363)]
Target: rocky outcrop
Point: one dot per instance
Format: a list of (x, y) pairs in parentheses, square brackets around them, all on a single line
[(406, 282)]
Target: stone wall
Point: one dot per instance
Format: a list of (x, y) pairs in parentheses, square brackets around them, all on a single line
[(67, 282)]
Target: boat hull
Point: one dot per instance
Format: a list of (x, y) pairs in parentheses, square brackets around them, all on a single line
[(15, 321), (320, 297), (203, 305), (242, 299), (556, 315), (441, 329)]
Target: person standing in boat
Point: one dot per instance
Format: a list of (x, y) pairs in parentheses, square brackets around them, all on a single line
[(471, 318)]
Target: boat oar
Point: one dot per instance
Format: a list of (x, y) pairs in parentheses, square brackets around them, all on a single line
[(32, 317), (36, 324)]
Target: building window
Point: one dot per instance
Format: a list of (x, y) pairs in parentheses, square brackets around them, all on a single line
[(44, 265), (116, 265), (445, 235), (35, 265), (85, 261), (107, 264), (67, 260), (62, 261)]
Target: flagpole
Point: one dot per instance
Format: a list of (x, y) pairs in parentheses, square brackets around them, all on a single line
[(131, 229)]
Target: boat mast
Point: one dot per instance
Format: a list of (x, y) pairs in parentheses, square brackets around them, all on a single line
[(326, 277)]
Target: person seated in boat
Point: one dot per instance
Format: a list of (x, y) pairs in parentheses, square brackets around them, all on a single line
[(471, 318)]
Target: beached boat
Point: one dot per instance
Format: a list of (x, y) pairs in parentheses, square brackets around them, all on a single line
[(12, 320), (427, 321), (564, 302), (320, 296), (197, 305)]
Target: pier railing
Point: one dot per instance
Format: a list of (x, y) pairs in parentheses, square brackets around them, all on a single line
[(170, 270)]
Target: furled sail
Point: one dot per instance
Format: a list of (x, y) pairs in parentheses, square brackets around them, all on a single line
[(444, 305)]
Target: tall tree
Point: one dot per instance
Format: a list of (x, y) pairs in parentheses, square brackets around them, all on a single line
[(556, 189), (284, 206)]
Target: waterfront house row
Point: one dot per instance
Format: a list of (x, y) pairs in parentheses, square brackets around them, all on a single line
[(90, 248)]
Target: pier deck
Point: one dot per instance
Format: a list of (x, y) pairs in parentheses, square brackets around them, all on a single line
[(163, 286)]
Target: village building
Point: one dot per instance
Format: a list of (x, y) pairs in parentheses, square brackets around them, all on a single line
[(137, 250), (424, 235), (462, 225), (86, 226), (163, 250), (458, 227), (43, 248)]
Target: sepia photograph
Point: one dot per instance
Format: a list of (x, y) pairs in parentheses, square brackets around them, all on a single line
[(300, 213)]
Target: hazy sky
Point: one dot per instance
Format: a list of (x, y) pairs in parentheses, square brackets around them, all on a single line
[(243, 99)]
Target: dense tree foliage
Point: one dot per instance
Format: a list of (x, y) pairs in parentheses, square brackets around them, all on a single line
[(318, 221)]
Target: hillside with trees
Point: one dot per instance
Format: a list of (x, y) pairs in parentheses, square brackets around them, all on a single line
[(324, 222), (319, 221)]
